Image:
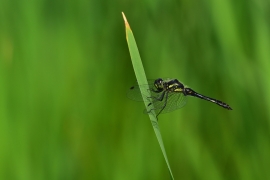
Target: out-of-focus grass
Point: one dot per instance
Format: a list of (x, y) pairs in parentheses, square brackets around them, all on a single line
[(64, 71)]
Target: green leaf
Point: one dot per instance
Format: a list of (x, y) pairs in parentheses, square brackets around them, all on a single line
[(141, 78)]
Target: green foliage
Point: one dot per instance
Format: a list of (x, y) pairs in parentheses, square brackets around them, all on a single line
[(65, 69)]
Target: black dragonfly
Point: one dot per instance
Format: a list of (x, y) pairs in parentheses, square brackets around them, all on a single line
[(168, 95)]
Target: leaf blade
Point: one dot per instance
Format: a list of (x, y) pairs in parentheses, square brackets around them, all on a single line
[(141, 78)]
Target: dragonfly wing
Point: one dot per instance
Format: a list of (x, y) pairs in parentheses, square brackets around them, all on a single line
[(135, 94), (181, 101), (175, 101)]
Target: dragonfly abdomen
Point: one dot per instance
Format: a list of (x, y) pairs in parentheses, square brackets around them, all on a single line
[(190, 92)]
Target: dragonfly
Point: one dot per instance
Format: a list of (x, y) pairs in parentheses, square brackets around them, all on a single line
[(167, 95)]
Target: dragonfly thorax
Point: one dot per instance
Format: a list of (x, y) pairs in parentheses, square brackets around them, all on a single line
[(175, 86), (172, 85)]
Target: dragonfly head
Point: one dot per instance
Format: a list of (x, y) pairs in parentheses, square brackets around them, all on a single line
[(159, 83)]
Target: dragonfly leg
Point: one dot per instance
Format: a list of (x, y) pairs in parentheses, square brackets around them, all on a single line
[(160, 98), (165, 103), (156, 91)]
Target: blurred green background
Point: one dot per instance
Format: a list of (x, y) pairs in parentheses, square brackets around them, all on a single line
[(65, 70)]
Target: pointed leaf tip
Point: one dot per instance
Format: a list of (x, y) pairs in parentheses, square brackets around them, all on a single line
[(125, 19)]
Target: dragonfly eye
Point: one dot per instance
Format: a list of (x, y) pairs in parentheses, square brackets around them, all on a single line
[(158, 83), (159, 80)]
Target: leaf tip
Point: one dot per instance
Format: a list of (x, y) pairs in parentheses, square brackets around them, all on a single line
[(125, 19)]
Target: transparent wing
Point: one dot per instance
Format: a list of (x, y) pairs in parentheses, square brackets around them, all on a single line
[(175, 101), (134, 92)]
